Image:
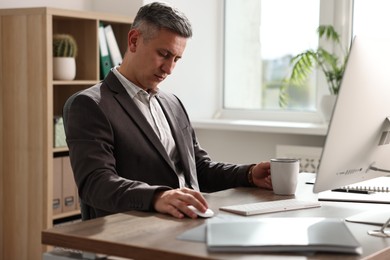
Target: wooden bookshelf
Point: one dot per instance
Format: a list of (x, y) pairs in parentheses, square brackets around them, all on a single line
[(29, 98)]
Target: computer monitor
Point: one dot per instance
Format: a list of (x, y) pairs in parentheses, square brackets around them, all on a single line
[(357, 145)]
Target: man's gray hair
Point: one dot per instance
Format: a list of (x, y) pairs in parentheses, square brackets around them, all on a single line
[(156, 16)]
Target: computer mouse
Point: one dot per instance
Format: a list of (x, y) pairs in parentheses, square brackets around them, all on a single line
[(208, 214)]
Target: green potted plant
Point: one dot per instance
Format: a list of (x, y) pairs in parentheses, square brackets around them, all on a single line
[(330, 64), (64, 54)]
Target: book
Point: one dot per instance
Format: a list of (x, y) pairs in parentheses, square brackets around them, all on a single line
[(105, 59), (281, 235), (59, 132), (113, 48)]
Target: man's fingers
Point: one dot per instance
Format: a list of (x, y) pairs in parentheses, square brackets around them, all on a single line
[(199, 201), (176, 202)]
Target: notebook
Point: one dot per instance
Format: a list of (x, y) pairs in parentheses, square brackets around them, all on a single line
[(379, 184), (376, 197), (280, 235), (377, 192)]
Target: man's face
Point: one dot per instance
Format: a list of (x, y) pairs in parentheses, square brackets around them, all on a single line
[(156, 58)]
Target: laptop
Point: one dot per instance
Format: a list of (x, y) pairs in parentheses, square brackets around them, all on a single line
[(281, 235)]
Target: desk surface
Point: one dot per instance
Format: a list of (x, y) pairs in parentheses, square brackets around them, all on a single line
[(141, 235)]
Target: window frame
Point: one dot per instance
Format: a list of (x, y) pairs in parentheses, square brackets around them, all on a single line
[(335, 12)]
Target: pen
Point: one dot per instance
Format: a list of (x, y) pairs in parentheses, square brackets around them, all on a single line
[(353, 191)]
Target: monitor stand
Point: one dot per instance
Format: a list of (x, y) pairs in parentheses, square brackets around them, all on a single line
[(381, 218), (381, 232)]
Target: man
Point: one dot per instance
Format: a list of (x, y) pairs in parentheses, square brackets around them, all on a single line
[(131, 145)]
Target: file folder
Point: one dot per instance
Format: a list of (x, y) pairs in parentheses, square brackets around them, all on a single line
[(68, 186), (77, 198), (57, 185), (113, 48), (105, 59)]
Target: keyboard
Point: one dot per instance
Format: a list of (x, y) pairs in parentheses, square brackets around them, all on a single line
[(270, 206)]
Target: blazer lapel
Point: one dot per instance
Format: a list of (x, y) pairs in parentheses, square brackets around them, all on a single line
[(177, 135), (138, 118)]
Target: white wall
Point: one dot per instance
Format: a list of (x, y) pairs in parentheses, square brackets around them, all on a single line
[(197, 79), (68, 4), (249, 147), (123, 7)]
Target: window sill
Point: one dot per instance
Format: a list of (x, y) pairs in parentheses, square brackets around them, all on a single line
[(262, 126)]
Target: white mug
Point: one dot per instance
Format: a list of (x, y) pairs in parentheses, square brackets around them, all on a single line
[(284, 175)]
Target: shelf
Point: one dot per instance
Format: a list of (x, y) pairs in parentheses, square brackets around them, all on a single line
[(60, 149), (74, 82), (66, 214)]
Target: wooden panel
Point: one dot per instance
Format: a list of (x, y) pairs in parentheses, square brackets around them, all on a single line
[(25, 162), (2, 148)]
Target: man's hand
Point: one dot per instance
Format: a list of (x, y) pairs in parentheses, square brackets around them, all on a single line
[(261, 175), (175, 202)]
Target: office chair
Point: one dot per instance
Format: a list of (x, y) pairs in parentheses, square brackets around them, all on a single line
[(86, 210)]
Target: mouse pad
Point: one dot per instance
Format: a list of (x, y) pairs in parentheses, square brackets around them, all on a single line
[(198, 234)]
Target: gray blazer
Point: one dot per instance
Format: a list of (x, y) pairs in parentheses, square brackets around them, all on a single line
[(119, 162)]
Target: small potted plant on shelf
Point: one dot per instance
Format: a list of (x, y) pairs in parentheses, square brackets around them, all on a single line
[(64, 57), (330, 64)]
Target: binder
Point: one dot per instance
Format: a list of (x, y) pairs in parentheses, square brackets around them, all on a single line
[(113, 48), (57, 185), (68, 186), (77, 198), (105, 59)]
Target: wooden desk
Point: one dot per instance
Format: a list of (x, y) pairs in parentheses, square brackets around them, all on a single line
[(140, 235)]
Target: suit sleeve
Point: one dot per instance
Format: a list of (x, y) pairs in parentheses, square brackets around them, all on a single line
[(91, 148), (212, 176)]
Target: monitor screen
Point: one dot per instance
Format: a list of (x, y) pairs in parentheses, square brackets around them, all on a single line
[(357, 143)]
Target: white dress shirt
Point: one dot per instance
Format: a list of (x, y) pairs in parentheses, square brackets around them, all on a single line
[(151, 109)]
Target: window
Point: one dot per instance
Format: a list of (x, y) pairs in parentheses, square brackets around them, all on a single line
[(260, 38)]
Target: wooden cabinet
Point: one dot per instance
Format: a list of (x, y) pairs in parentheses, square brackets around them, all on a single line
[(29, 98)]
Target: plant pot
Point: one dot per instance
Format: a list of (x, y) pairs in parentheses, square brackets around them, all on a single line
[(327, 104), (64, 68)]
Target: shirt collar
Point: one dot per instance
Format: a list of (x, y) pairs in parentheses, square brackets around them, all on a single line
[(130, 87)]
